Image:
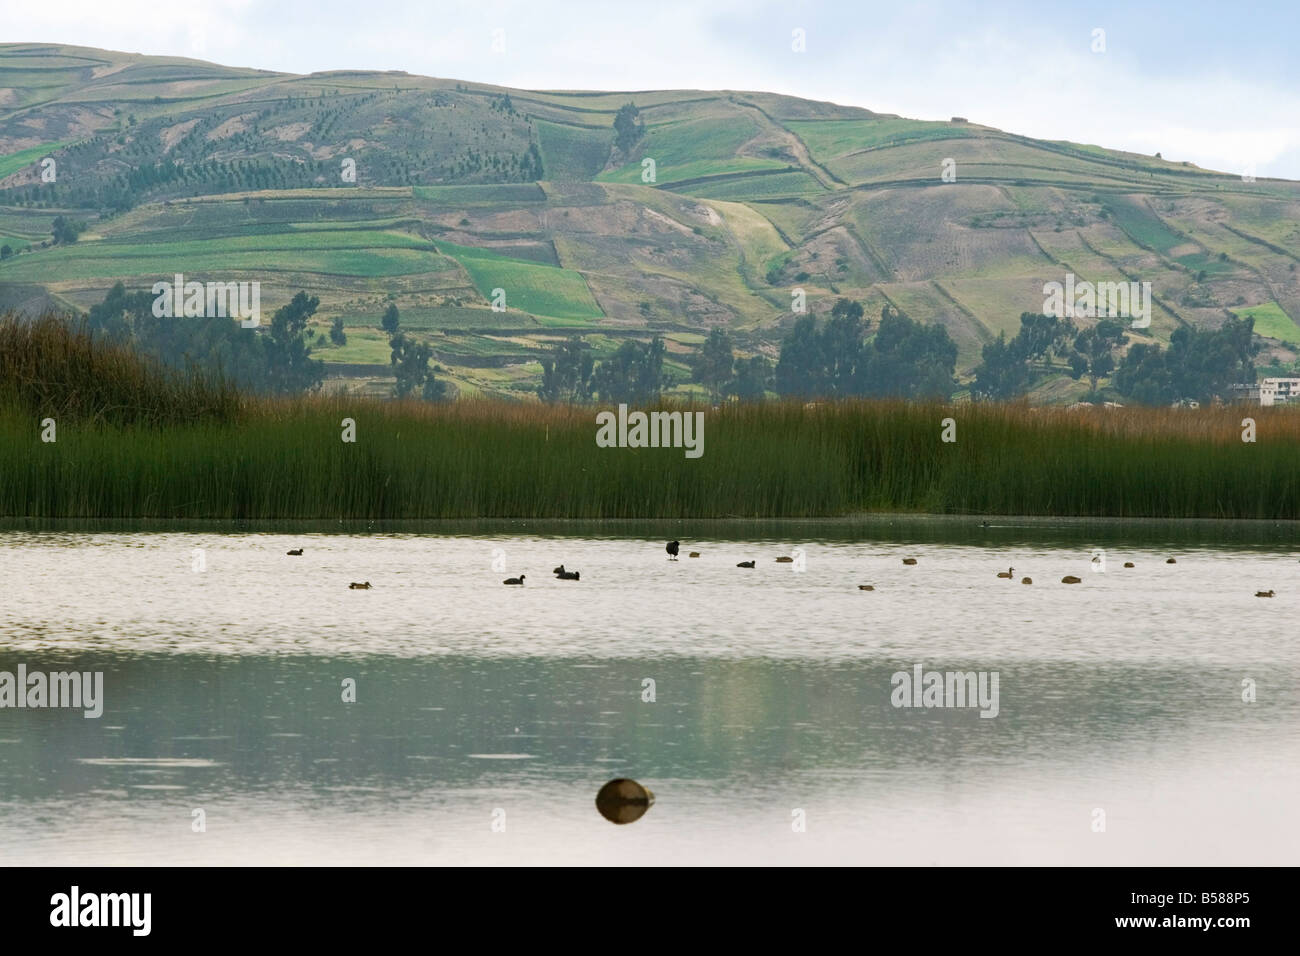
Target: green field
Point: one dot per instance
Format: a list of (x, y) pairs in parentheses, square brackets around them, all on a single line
[(1272, 322), (1140, 223), (159, 261), (529, 287), (490, 194), (572, 152), (26, 157), (827, 139)]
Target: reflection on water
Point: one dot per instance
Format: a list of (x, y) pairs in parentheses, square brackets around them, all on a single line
[(486, 718)]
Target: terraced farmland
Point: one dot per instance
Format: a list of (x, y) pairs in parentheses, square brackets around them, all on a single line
[(175, 165)]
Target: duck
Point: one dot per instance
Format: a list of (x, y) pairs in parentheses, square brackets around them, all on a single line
[(785, 559), (360, 587), (1263, 594), (518, 580), (1071, 579), (1026, 580), (909, 560), (672, 548), (559, 570), (866, 587), (1009, 572), (296, 552), (745, 564), (567, 576), (694, 554), (1129, 564)]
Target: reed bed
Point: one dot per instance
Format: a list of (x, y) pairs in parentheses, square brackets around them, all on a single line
[(52, 366), (192, 448)]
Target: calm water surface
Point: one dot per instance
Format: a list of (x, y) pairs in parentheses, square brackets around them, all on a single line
[(475, 702)]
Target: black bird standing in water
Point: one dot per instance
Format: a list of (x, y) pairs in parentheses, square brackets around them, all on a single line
[(672, 548)]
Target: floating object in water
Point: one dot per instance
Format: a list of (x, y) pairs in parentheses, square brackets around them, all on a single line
[(1129, 564), (1071, 579), (1026, 580), (1171, 561), (1263, 594), (624, 801), (909, 560), (296, 552), (694, 554), (672, 547), (745, 564), (567, 576), (1009, 572), (866, 587), (559, 570), (518, 580), (785, 560), (359, 587)]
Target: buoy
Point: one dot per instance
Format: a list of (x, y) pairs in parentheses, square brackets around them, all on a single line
[(624, 801)]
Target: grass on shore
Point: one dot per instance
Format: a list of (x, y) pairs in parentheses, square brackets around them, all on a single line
[(135, 441)]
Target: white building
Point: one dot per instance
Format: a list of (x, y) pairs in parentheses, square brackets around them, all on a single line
[(1279, 391)]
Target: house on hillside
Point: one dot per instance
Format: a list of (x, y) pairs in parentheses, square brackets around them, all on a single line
[(1279, 391), (1269, 391)]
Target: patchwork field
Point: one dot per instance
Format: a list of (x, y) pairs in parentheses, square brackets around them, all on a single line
[(170, 165)]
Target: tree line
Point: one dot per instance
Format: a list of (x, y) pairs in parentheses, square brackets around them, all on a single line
[(844, 356), (1199, 364)]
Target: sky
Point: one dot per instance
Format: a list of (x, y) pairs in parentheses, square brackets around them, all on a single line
[(1211, 83)]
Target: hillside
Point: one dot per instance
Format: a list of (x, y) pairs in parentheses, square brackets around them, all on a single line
[(461, 188)]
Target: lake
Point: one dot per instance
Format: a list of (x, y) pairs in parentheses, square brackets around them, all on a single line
[(257, 710)]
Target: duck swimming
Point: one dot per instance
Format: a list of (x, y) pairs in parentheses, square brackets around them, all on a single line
[(296, 552), (360, 587), (518, 580), (745, 564), (567, 576), (1009, 572)]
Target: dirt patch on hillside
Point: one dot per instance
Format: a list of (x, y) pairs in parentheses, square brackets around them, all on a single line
[(289, 132), (236, 124), (667, 221), (174, 134)]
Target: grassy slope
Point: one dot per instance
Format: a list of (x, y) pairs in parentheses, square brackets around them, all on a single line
[(852, 199)]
